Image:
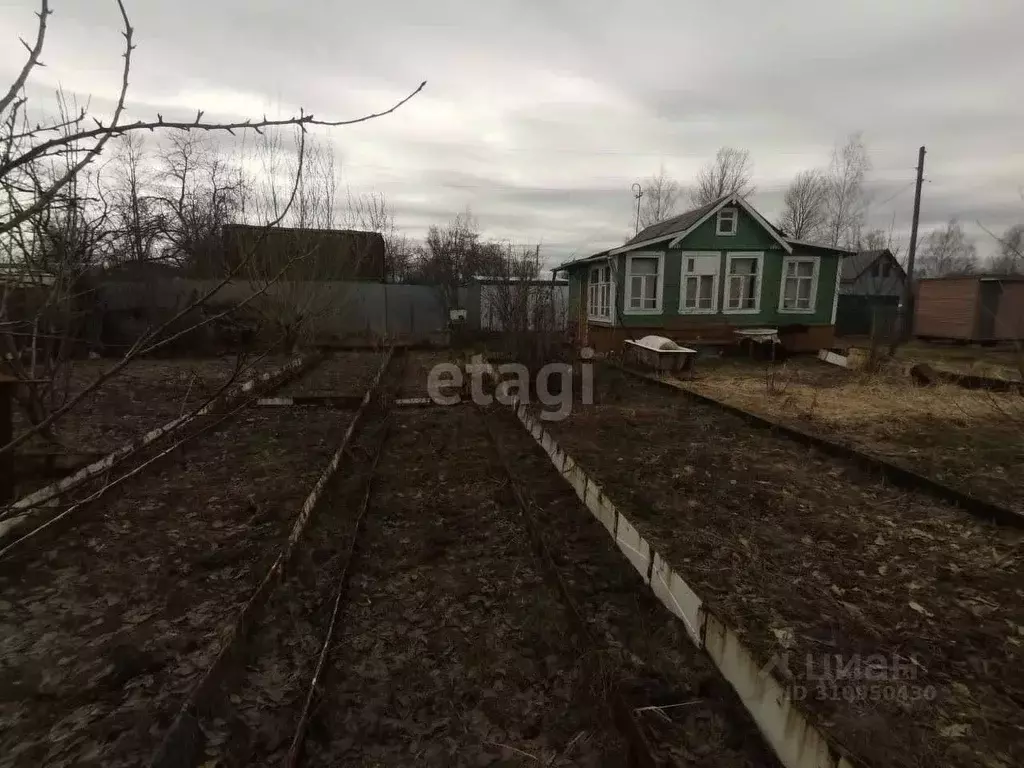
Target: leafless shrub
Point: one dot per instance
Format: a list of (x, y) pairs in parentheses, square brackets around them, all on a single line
[(529, 312)]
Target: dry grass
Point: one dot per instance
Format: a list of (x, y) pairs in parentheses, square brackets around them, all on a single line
[(880, 404), (1000, 362), (968, 438)]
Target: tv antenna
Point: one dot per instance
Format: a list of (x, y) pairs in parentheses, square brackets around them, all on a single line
[(638, 192)]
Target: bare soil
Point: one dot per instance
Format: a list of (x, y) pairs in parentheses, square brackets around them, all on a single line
[(417, 370), (806, 555), (690, 714), (145, 395), (453, 651), (342, 373), (105, 632), (253, 719), (971, 440)]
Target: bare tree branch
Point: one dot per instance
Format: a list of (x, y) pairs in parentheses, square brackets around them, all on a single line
[(660, 198), (845, 201), (730, 172), (33, 59), (947, 251), (71, 140), (301, 120), (804, 215)]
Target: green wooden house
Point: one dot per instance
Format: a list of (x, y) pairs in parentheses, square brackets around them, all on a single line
[(700, 276)]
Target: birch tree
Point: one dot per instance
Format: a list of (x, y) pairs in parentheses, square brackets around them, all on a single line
[(845, 200)]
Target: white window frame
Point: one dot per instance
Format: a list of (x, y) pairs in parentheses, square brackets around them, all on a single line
[(591, 316), (659, 284), (715, 282), (816, 261), (731, 256), (735, 221)]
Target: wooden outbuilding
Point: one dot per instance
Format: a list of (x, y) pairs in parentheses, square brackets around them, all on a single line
[(970, 308)]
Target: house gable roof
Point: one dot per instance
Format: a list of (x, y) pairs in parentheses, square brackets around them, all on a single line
[(584, 260), (678, 227), (861, 261)]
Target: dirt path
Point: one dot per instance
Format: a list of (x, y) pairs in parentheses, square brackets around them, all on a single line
[(103, 634), (810, 557), (454, 650)]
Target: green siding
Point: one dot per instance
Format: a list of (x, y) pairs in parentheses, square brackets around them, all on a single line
[(576, 278), (750, 236), (771, 283)]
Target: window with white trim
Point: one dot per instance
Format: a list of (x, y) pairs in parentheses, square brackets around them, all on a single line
[(799, 284), (726, 223), (643, 283), (599, 293), (743, 282), (698, 289)]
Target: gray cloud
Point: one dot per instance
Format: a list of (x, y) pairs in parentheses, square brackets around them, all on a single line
[(539, 116)]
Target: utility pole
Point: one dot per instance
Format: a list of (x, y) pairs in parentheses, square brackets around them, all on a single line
[(907, 310), (638, 192)]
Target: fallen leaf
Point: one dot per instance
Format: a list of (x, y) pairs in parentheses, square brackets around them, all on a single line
[(919, 608), (784, 636)]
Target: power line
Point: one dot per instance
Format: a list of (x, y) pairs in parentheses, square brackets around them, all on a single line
[(899, 192)]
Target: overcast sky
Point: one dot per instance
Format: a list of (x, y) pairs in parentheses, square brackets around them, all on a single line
[(539, 115)]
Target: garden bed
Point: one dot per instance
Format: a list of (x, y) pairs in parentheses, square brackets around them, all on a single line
[(342, 373), (809, 559), (969, 440), (145, 395), (105, 632), (689, 713), (418, 365), (451, 649)]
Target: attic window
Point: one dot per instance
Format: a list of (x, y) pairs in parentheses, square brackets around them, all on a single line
[(726, 222)]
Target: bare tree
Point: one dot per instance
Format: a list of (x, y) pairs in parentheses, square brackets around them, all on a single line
[(297, 272), (804, 215), (845, 201), (453, 254), (372, 212), (947, 251), (45, 296), (135, 213), (660, 198), (877, 239), (201, 190), (730, 172), (529, 312), (1010, 258), (73, 142)]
